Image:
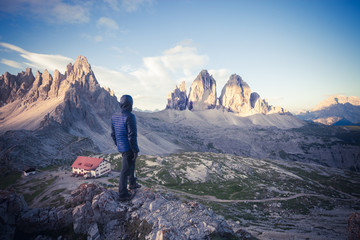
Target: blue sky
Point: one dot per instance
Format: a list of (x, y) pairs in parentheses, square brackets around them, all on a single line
[(294, 53)]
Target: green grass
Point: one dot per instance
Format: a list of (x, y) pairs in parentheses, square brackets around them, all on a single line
[(37, 190), (50, 168), (57, 191), (114, 180), (252, 179)]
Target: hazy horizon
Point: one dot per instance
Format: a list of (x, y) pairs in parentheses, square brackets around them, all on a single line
[(293, 53)]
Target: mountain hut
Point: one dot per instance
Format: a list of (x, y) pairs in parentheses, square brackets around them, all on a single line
[(90, 167)]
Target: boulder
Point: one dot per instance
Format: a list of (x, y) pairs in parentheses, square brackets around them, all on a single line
[(84, 193), (83, 218), (11, 207), (353, 228), (106, 207)]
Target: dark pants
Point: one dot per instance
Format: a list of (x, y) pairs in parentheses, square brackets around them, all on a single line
[(127, 171)]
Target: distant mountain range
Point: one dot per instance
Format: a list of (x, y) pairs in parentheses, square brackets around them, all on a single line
[(46, 120), (336, 110)]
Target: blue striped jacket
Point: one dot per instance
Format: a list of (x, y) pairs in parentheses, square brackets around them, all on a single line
[(124, 131)]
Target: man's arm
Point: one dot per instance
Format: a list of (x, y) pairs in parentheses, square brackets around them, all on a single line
[(132, 133), (113, 133)]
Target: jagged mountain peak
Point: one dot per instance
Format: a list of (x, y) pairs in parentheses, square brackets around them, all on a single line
[(75, 100), (237, 80), (204, 74), (202, 93), (82, 65), (177, 99), (236, 96), (81, 74)]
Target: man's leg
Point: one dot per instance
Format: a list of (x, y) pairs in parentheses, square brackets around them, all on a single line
[(125, 171), (132, 178)]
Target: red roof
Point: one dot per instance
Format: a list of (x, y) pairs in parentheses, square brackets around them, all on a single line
[(86, 163)]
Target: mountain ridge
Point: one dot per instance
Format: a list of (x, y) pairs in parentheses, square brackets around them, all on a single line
[(236, 97), (333, 109), (72, 109)]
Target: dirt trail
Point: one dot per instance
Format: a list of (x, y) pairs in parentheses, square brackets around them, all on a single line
[(214, 199)]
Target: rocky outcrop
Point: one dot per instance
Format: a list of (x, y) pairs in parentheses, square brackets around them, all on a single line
[(148, 215), (235, 96), (258, 104), (177, 99), (353, 228), (11, 208), (202, 93), (15, 87)]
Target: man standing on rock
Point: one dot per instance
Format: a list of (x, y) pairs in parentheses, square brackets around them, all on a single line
[(124, 134)]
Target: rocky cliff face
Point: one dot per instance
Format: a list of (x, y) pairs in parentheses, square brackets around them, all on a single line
[(177, 99), (235, 96), (75, 99), (15, 87), (74, 106), (202, 93), (96, 213), (258, 104)]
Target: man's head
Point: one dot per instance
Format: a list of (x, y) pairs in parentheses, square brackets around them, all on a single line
[(126, 103)]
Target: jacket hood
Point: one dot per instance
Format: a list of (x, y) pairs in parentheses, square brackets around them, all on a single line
[(126, 103)]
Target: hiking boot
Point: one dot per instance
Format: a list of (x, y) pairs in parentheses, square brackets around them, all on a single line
[(126, 197), (134, 186)]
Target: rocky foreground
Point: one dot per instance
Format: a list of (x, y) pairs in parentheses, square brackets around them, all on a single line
[(94, 212)]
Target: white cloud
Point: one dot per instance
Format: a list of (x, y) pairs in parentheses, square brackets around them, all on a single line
[(113, 4), (54, 11), (12, 63), (98, 38), (107, 23), (70, 13), (221, 76), (151, 83), (133, 5), (40, 61)]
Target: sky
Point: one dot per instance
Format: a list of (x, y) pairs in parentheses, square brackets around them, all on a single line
[(294, 53)]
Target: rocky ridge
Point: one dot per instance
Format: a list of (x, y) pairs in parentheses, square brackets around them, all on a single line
[(47, 119), (68, 98), (236, 96), (177, 99), (97, 213), (335, 110)]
